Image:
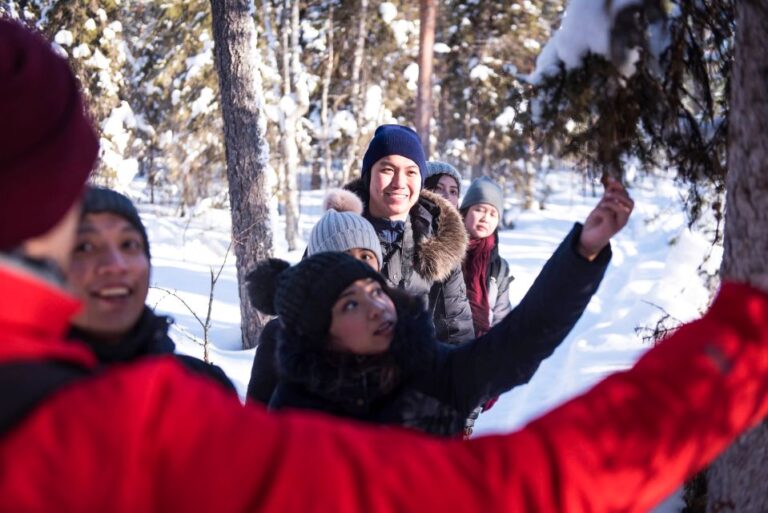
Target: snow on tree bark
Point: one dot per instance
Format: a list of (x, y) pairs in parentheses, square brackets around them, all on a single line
[(737, 481), (234, 35)]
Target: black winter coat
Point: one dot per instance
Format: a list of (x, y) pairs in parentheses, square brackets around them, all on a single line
[(431, 386), (426, 263), (432, 273), (148, 338), (498, 280), (264, 376)]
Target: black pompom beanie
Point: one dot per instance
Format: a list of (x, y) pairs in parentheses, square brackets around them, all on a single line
[(303, 295), (99, 200)]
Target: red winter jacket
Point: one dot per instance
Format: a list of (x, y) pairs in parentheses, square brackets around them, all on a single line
[(153, 437)]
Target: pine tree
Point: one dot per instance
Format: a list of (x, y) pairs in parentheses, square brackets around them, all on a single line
[(661, 100), (667, 100), (174, 94), (147, 71), (489, 46)]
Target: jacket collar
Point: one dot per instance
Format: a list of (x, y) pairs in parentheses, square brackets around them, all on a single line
[(438, 230), (149, 336), (34, 315)]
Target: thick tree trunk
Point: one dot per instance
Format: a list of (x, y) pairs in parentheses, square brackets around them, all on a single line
[(234, 35), (428, 13), (738, 481)]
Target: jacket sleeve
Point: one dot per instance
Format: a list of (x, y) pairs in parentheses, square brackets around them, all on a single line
[(452, 315), (264, 375), (214, 372), (509, 354), (503, 306), (681, 404), (634, 438)]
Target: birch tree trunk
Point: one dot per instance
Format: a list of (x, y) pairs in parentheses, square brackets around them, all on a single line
[(328, 72), (738, 481), (356, 80), (529, 173), (290, 109), (428, 14), (236, 56), (272, 48)]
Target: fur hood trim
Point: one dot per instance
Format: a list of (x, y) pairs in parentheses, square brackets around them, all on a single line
[(437, 255), (441, 240)]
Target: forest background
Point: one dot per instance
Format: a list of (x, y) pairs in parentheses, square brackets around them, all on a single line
[(331, 71)]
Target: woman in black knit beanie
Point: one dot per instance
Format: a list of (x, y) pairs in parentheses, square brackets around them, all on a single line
[(353, 347)]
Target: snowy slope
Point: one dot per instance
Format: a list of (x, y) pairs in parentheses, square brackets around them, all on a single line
[(653, 271)]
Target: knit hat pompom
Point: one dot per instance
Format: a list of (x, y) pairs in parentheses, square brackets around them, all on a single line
[(343, 227), (262, 284), (343, 201)]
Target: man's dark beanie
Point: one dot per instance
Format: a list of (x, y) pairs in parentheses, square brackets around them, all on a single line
[(99, 200), (393, 140), (47, 144), (303, 295)]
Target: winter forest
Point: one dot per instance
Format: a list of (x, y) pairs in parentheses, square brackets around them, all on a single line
[(228, 120)]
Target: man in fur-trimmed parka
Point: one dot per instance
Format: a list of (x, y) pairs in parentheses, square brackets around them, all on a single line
[(422, 236)]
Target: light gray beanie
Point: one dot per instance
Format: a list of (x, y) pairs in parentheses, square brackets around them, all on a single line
[(342, 227), (435, 167), (484, 190)]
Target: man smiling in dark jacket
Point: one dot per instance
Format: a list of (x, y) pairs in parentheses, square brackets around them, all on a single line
[(422, 236), (110, 274)]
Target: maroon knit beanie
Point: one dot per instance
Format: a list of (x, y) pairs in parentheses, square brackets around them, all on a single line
[(47, 144)]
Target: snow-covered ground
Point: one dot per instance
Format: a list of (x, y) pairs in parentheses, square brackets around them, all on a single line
[(653, 271)]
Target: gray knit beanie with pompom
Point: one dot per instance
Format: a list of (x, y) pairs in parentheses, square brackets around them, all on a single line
[(343, 227)]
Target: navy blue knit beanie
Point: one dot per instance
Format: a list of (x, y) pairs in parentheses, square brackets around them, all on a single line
[(393, 140)]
